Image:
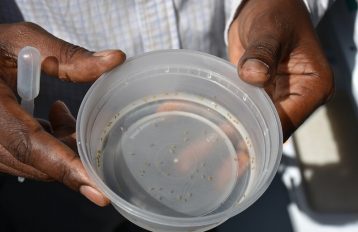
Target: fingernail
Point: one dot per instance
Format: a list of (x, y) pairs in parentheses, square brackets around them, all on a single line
[(63, 107), (254, 65), (255, 71), (103, 53), (94, 195), (59, 102), (115, 56)]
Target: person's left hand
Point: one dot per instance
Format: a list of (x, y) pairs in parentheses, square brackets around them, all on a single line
[(26, 148)]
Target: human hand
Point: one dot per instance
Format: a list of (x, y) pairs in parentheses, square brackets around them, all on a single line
[(26, 149), (274, 45)]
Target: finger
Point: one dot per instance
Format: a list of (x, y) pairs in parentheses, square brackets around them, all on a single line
[(297, 100), (173, 106), (25, 139), (10, 165), (61, 163), (197, 148), (70, 141), (61, 119), (260, 59), (59, 58), (267, 39), (224, 173), (45, 125), (64, 124), (200, 147), (76, 64), (8, 170)]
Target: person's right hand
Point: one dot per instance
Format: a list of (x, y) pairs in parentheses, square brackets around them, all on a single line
[(26, 149), (274, 45)]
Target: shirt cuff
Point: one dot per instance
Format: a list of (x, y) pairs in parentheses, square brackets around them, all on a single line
[(234, 7)]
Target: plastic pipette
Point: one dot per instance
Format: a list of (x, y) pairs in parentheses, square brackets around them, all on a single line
[(28, 79)]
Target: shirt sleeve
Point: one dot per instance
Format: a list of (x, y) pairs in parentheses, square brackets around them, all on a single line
[(317, 8)]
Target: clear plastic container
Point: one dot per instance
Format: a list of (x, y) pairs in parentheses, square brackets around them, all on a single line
[(177, 141)]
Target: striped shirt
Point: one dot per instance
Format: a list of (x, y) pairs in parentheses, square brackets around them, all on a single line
[(134, 26), (137, 26)]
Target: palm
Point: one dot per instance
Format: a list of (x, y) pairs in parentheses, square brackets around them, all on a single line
[(296, 88)]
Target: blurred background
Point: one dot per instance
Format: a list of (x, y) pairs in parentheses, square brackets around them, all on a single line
[(315, 190)]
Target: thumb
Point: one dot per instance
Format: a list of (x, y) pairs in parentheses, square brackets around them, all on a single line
[(259, 62), (59, 58), (76, 64)]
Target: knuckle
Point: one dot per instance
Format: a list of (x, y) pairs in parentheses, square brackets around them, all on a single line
[(64, 175), (69, 55), (267, 47), (67, 176), (16, 138), (19, 145), (266, 50), (69, 51), (24, 30)]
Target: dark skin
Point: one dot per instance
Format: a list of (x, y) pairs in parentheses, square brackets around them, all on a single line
[(26, 148), (272, 43), (274, 46)]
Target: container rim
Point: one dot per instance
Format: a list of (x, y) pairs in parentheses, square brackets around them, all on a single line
[(158, 218)]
